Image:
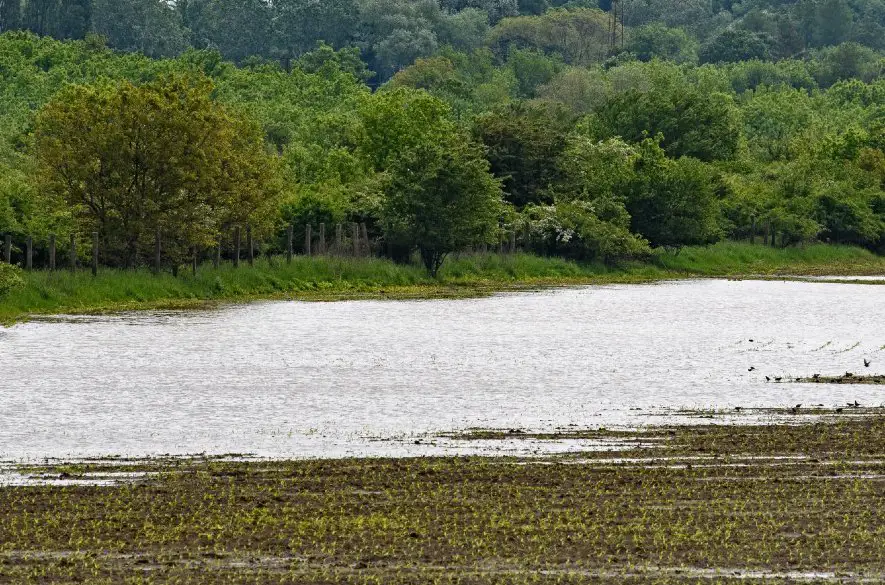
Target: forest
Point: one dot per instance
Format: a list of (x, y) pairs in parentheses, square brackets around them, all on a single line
[(596, 131)]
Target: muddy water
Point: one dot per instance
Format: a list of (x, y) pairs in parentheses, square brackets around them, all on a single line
[(369, 378)]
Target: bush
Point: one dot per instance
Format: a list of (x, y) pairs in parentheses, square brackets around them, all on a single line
[(10, 279)]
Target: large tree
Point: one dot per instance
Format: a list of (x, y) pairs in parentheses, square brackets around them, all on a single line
[(130, 161)]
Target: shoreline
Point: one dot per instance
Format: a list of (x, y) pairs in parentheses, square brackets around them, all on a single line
[(329, 279)]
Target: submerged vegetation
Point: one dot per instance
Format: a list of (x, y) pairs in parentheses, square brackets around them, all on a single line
[(331, 278), (755, 504)]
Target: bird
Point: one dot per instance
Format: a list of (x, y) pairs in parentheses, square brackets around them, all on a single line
[(849, 375), (838, 410), (751, 368), (854, 404), (867, 363), (816, 376), (767, 379), (778, 379), (798, 406)]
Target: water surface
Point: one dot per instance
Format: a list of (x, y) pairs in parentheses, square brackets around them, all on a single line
[(295, 379)]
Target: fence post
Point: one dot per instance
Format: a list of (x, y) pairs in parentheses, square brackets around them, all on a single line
[(321, 249), (249, 245), (216, 261), (367, 249), (194, 267), (237, 247), (753, 230), (355, 235), (7, 249), (289, 244), (513, 241), (338, 247), (52, 252), (308, 239), (73, 259), (157, 252), (29, 253), (767, 232), (94, 253)]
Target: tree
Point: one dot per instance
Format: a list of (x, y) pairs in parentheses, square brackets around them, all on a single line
[(671, 202), (152, 27), (523, 144), (440, 198), (693, 123), (236, 28), (657, 40), (130, 161), (10, 15), (732, 45)]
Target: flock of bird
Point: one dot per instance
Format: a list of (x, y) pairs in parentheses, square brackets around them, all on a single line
[(796, 408)]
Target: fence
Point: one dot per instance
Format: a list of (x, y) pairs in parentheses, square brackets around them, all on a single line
[(349, 240)]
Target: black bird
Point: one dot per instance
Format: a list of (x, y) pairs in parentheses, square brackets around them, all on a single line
[(816, 376), (798, 406), (751, 341), (867, 363), (838, 410), (767, 379), (778, 379), (854, 404), (751, 368)]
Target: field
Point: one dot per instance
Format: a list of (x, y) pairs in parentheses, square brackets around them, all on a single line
[(329, 278), (796, 502)]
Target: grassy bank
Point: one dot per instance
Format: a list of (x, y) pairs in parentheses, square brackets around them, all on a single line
[(708, 504), (337, 278)]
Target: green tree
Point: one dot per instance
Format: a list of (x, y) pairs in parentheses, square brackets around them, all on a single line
[(658, 40), (671, 202), (693, 123), (441, 198), (523, 143), (735, 44), (130, 161)]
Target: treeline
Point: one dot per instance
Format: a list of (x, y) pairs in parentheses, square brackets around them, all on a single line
[(595, 163), (391, 34)]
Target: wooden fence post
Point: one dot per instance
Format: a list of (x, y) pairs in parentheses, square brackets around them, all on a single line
[(338, 246), (767, 232), (321, 248), (158, 257), (73, 259), (216, 261), (7, 249), (29, 253), (250, 248), (51, 252), (355, 235), (194, 267), (364, 232), (513, 242), (237, 247), (289, 244), (308, 237), (753, 230), (94, 253)]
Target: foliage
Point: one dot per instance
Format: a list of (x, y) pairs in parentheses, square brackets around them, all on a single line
[(440, 197), (131, 161), (10, 279), (671, 202)]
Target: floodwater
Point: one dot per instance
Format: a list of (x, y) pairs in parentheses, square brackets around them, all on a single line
[(295, 379)]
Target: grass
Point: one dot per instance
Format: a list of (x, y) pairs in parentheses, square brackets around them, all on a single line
[(694, 504), (330, 278)]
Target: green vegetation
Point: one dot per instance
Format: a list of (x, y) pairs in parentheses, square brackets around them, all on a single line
[(441, 126), (690, 504), (332, 278)]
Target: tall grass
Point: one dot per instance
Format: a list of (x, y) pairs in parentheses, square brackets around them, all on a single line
[(331, 278)]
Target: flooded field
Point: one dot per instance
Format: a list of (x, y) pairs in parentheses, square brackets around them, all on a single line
[(290, 379)]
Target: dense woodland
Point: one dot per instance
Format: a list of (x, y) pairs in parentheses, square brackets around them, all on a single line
[(595, 132)]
